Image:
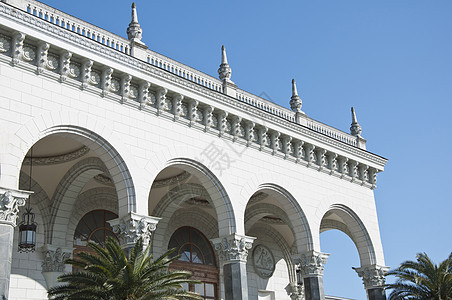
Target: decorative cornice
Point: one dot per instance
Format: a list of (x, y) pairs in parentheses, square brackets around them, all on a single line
[(132, 227), (312, 263), (272, 220), (233, 248), (373, 276), (10, 201), (179, 178), (57, 159), (324, 134)]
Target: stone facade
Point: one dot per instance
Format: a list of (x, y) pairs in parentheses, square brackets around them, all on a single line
[(118, 128)]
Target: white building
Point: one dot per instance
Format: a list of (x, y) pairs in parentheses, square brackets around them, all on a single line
[(114, 133)]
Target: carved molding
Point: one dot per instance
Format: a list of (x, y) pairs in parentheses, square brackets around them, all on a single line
[(57, 159), (10, 201), (233, 248), (312, 263), (179, 178), (373, 276), (132, 227)]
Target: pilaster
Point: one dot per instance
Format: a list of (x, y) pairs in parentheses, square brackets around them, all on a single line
[(374, 280), (10, 201), (233, 253)]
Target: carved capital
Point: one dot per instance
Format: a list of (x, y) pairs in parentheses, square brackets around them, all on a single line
[(373, 276), (132, 227), (312, 263), (233, 248), (10, 201), (54, 258), (295, 291)]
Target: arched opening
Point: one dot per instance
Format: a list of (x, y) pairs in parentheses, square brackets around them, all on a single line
[(340, 225), (274, 217), (71, 176), (197, 256), (93, 227)]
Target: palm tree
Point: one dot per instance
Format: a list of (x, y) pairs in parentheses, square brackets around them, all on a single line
[(109, 275), (422, 279)]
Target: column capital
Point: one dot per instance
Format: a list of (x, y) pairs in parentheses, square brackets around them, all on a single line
[(54, 258), (233, 248), (373, 276), (312, 263), (132, 227), (10, 201), (295, 291)]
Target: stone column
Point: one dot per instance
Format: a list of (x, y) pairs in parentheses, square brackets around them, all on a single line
[(374, 280), (53, 263), (233, 252), (10, 201), (312, 264), (132, 227)]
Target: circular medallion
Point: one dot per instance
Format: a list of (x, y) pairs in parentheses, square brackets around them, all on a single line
[(52, 62), (264, 262), (28, 53)]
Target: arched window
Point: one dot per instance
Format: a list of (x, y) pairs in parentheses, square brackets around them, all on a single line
[(196, 256), (93, 227)]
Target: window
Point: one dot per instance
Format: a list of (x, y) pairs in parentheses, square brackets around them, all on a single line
[(93, 227), (196, 256)]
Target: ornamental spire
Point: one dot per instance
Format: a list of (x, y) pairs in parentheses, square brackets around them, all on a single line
[(355, 128), (295, 100), (134, 31), (224, 71)]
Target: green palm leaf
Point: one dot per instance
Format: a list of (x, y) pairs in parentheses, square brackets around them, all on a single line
[(109, 274)]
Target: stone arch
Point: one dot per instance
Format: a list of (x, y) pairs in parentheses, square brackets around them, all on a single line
[(89, 131), (66, 193), (193, 217), (296, 216), (354, 228), (97, 198), (264, 209), (218, 195), (169, 205)]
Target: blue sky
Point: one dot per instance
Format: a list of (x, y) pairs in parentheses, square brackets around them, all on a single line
[(390, 59)]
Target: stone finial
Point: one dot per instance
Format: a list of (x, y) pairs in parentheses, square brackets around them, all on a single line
[(295, 100), (373, 276), (132, 227), (224, 71), (233, 248), (355, 128), (134, 31), (312, 263)]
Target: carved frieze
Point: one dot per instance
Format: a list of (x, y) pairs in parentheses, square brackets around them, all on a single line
[(58, 159)]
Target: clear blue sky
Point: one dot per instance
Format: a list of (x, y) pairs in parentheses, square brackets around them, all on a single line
[(390, 59)]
